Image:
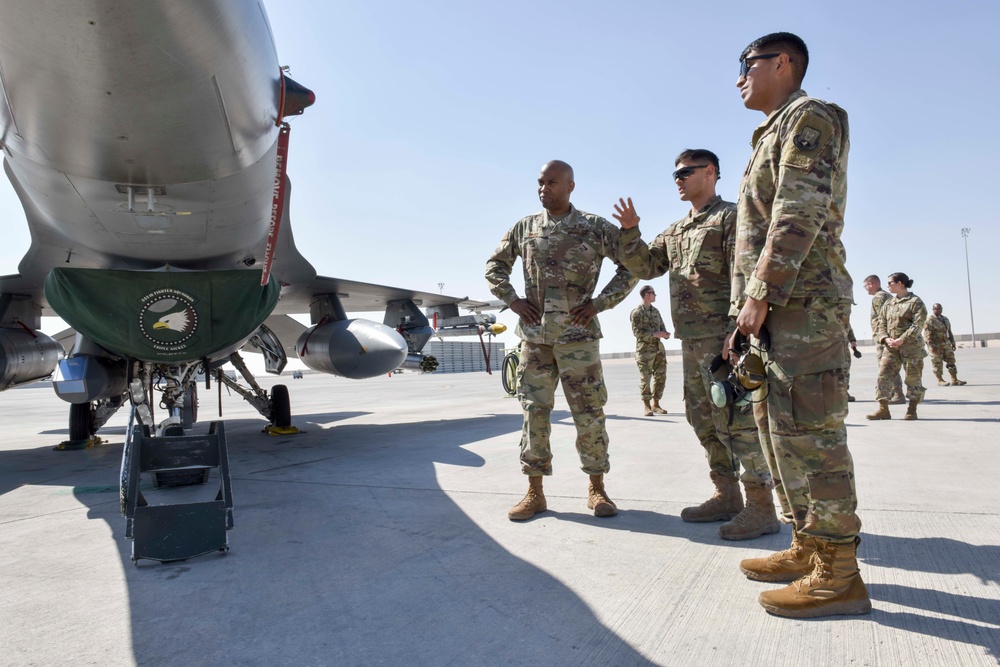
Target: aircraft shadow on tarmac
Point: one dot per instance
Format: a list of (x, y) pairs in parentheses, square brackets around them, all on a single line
[(951, 604), (346, 553), (939, 555), (935, 555), (669, 525)]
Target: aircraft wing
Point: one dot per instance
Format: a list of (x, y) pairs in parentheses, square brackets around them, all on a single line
[(355, 296), (21, 286)]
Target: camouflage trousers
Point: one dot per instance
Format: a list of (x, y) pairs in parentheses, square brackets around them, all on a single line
[(943, 355), (897, 383), (889, 366), (652, 363), (726, 446), (578, 367), (801, 423)]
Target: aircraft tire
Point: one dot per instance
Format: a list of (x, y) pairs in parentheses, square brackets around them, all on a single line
[(281, 408), (189, 414), (508, 373), (81, 421)]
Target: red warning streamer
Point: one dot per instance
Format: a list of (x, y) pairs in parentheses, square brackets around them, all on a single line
[(278, 201)]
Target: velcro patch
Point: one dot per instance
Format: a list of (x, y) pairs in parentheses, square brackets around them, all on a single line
[(808, 139), (830, 485)]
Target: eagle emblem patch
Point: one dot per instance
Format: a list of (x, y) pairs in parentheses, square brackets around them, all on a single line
[(168, 319)]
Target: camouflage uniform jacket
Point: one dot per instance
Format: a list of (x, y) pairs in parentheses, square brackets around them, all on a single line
[(562, 264), (697, 252), (937, 331), (791, 206), (646, 321), (878, 300), (903, 317)]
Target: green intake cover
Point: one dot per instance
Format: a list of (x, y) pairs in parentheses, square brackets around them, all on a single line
[(162, 316)]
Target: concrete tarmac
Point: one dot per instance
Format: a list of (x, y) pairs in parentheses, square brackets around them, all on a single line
[(380, 537)]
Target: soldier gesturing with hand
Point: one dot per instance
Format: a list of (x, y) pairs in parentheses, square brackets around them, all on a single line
[(697, 252)]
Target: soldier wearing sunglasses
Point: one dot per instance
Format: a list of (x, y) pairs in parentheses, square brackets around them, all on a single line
[(790, 265), (697, 253)]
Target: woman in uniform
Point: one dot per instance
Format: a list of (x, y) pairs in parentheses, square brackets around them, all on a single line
[(900, 323)]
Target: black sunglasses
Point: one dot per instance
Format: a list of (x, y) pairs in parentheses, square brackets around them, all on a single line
[(682, 173), (745, 63)]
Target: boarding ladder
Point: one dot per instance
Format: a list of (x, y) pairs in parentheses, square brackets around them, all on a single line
[(181, 530)]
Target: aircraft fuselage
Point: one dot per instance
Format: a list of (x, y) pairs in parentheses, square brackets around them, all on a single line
[(175, 98)]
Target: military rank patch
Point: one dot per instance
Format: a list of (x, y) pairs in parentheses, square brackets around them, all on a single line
[(810, 136)]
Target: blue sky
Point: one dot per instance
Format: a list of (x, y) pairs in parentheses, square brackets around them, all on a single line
[(432, 119)]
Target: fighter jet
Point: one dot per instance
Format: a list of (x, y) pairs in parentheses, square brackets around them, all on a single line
[(147, 142)]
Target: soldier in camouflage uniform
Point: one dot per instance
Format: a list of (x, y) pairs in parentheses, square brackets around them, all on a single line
[(873, 285), (697, 253), (791, 270), (649, 330), (941, 341), (900, 325), (561, 251)]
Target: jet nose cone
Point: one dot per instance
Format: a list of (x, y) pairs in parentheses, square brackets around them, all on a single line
[(296, 97)]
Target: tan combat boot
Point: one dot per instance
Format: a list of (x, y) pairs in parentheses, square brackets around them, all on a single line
[(656, 407), (833, 588), (724, 504), (882, 412), (756, 519), (911, 410), (648, 412), (941, 381), (897, 398), (793, 563), (955, 381), (597, 498), (532, 503)]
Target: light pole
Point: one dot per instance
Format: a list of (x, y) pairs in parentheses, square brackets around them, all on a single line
[(968, 278), (441, 285)]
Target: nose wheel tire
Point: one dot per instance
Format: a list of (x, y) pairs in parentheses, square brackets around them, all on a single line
[(81, 421), (281, 409)]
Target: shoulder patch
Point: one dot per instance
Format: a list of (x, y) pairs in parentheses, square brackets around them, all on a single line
[(807, 140)]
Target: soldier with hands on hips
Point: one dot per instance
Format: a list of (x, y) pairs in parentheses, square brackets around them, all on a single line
[(561, 250)]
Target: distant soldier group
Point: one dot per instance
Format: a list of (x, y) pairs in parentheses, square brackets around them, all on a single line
[(899, 327)]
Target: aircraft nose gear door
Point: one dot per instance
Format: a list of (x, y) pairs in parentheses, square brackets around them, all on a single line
[(269, 345)]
